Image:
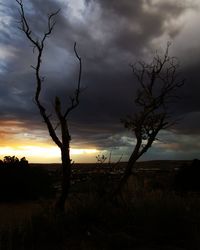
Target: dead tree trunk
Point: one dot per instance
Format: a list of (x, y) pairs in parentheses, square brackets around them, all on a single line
[(62, 117), (66, 167), (66, 180)]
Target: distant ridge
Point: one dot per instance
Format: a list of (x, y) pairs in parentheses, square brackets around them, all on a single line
[(153, 164)]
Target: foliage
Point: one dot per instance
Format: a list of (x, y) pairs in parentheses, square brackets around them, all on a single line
[(101, 158), (187, 178), (13, 161), (18, 181)]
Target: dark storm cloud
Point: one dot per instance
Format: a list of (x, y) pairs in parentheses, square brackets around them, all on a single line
[(110, 35), (139, 22)]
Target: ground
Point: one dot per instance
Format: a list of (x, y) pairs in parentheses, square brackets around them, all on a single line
[(145, 218)]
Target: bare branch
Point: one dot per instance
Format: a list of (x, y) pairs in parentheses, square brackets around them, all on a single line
[(63, 141), (75, 99), (158, 81), (51, 25), (39, 79)]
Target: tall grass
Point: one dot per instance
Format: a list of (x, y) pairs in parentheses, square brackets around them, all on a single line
[(150, 221)]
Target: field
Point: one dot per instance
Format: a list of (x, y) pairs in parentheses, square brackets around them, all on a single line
[(149, 215)]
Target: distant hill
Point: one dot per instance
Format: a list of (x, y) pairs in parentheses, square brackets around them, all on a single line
[(165, 165)]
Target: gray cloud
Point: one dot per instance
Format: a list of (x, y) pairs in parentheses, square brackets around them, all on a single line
[(110, 35)]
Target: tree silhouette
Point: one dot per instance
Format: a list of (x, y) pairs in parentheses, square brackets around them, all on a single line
[(63, 141), (13, 161), (158, 83)]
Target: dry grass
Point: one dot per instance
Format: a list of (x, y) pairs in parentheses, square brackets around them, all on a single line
[(17, 213), (149, 221), (145, 219)]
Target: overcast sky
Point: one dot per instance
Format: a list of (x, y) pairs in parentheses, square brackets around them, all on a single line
[(110, 35)]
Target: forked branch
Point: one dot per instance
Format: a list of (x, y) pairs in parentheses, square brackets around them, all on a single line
[(75, 99), (39, 45), (158, 81)]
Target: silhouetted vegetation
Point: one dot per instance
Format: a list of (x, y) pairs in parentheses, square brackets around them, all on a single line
[(101, 158), (187, 178), (20, 182), (158, 86), (147, 222), (61, 138), (145, 217), (148, 213), (13, 162)]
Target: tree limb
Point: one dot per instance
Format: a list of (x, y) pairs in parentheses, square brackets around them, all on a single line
[(39, 45)]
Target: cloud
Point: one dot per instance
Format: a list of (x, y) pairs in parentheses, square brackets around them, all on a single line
[(110, 35)]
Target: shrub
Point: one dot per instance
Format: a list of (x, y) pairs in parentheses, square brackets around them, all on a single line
[(13, 161), (18, 181), (187, 178)]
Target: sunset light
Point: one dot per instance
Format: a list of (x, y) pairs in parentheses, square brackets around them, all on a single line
[(143, 27), (99, 124), (46, 153), (34, 144)]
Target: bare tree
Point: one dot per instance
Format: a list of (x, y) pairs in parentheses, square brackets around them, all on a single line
[(62, 141), (158, 83)]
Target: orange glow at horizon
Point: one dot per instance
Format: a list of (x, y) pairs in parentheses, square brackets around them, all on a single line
[(34, 144), (47, 154)]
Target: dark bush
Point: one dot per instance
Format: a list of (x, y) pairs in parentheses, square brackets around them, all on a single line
[(187, 178), (18, 181)]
